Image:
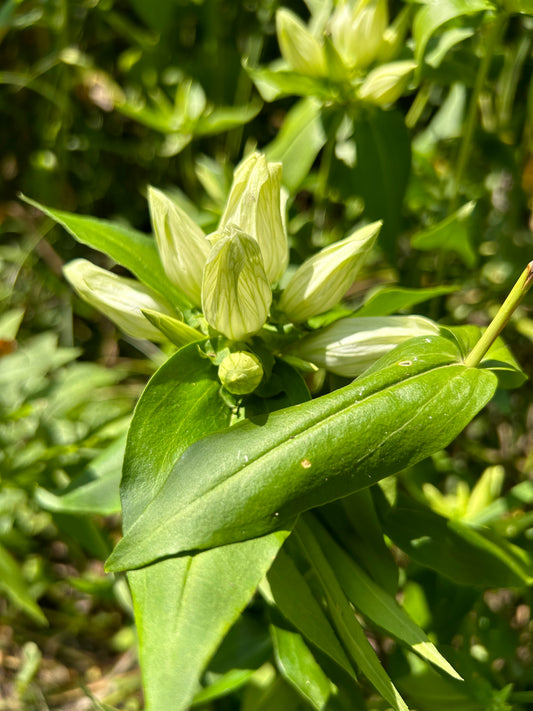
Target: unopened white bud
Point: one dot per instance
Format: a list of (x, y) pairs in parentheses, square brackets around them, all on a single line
[(350, 345), (385, 84), (240, 373), (122, 300), (323, 279), (301, 50), (182, 245), (236, 294)]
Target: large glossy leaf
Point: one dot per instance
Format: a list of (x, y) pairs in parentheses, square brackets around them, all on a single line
[(126, 246), (257, 476), (183, 606)]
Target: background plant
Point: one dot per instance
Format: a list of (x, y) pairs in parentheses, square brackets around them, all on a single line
[(467, 139)]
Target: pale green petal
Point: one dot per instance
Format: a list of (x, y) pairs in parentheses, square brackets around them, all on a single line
[(385, 84), (350, 345), (299, 48), (120, 299), (357, 31), (236, 294), (321, 281), (182, 245), (254, 206)]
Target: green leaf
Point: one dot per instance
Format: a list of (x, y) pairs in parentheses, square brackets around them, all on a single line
[(258, 475), (498, 358), (10, 323), (346, 623), (95, 491), (298, 142), (467, 555), (14, 586), (450, 235), (381, 172), (274, 83), (224, 118), (354, 521), (374, 603), (299, 667), (129, 248), (393, 299), (519, 6), (197, 598), (433, 15), (289, 590)]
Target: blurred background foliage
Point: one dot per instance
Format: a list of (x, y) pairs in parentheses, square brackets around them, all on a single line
[(98, 99)]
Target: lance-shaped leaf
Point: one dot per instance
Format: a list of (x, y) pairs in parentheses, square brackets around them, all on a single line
[(183, 247), (256, 476), (254, 206), (323, 279), (120, 299), (236, 295)]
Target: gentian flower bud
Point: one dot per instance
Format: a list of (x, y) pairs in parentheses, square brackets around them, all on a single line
[(323, 279), (254, 206), (236, 295), (301, 50), (119, 298), (357, 30), (350, 345), (385, 84), (240, 373), (182, 245)]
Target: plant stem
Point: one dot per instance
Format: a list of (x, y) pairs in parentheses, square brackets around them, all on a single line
[(464, 150), (505, 312)]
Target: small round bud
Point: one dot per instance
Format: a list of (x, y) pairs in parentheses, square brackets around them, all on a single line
[(240, 373)]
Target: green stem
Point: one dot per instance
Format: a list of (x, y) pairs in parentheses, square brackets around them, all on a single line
[(505, 312), (464, 151)]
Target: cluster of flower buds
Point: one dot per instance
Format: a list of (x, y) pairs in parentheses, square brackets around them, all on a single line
[(356, 43), (230, 278)]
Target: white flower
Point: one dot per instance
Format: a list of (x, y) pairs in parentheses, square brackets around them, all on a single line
[(254, 206), (302, 51), (386, 83), (350, 345), (357, 30), (182, 245), (323, 279), (236, 294), (120, 299)]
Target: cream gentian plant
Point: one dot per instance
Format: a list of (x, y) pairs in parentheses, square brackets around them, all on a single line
[(354, 39), (231, 280)]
